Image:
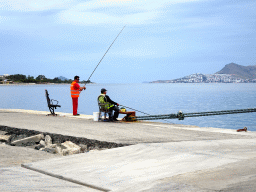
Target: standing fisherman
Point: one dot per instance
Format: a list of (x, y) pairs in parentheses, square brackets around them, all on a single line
[(75, 90)]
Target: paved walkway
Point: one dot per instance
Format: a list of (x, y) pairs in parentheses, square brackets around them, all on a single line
[(163, 157), (118, 132)]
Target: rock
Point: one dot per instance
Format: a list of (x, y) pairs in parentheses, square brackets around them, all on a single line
[(69, 144), (4, 137), (38, 147), (84, 148), (53, 145), (49, 150), (32, 139), (29, 144), (71, 148), (65, 152), (48, 140), (3, 132), (42, 143), (17, 137), (58, 150)]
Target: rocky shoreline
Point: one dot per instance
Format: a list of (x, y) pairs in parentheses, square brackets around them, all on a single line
[(51, 143)]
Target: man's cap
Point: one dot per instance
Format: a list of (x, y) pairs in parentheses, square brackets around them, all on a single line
[(103, 90)]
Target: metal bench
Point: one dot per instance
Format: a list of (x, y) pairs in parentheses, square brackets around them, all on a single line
[(50, 103)]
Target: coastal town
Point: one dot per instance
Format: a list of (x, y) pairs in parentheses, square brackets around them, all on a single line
[(193, 78), (231, 73), (208, 78), (3, 79)]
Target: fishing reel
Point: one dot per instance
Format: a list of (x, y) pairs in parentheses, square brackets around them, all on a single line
[(122, 109), (180, 115)]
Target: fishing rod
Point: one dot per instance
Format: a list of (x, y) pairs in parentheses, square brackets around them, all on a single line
[(105, 54), (181, 115), (100, 62), (142, 112)]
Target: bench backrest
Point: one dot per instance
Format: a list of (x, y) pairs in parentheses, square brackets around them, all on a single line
[(47, 98)]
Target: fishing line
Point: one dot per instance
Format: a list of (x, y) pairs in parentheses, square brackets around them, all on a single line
[(105, 53), (99, 64), (135, 110)]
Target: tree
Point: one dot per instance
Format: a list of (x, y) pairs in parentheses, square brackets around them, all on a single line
[(40, 77), (88, 81), (17, 77), (56, 80), (31, 79)]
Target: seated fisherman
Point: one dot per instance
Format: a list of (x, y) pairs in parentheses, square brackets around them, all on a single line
[(110, 105)]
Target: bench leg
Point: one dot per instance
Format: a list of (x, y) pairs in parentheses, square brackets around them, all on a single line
[(52, 111)]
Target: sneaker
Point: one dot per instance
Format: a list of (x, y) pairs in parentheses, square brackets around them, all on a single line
[(115, 120), (76, 115)]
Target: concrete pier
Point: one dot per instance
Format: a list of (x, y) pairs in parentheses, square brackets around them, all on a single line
[(160, 157)]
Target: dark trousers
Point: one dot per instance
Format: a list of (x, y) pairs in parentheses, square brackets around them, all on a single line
[(116, 113), (75, 105)]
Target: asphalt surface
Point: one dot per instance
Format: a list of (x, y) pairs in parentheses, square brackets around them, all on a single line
[(161, 157)]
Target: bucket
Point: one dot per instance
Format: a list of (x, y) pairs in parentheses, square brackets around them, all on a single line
[(96, 116)]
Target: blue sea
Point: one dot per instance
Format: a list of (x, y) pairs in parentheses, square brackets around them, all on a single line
[(149, 98)]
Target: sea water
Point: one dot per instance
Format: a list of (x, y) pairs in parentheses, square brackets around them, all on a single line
[(153, 99)]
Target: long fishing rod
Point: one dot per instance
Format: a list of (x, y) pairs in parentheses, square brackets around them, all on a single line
[(105, 53), (143, 112), (100, 62)]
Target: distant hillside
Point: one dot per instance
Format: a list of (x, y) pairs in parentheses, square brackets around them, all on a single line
[(245, 72), (231, 73)]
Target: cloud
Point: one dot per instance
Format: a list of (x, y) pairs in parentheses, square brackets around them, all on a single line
[(34, 5), (134, 4), (92, 18), (116, 11), (81, 18), (93, 12)]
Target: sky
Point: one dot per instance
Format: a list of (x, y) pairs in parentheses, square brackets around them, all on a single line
[(162, 40)]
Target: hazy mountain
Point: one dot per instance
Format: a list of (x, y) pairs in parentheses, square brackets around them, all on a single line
[(245, 72), (231, 73)]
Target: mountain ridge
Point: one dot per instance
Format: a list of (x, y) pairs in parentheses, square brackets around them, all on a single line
[(230, 73), (244, 72)]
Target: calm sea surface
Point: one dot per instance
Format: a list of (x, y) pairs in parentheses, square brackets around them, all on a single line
[(149, 98)]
